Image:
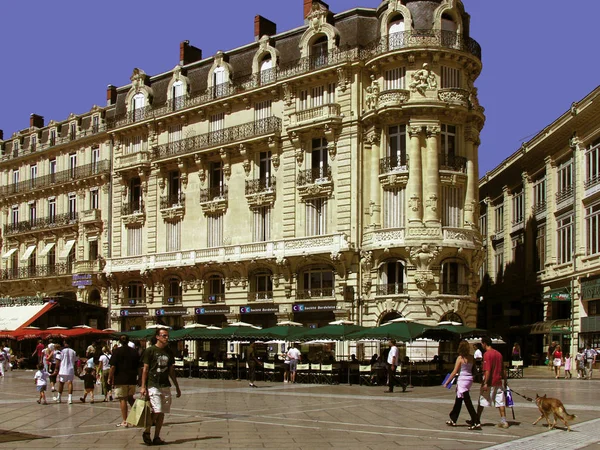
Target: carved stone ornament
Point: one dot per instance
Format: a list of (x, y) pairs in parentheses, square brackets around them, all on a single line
[(414, 203), (423, 80), (424, 281), (432, 202), (317, 17), (373, 137), (343, 79), (372, 94), (423, 257), (138, 78), (288, 94)]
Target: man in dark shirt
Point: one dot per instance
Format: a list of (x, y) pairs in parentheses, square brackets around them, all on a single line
[(158, 368), (252, 361), (124, 365)]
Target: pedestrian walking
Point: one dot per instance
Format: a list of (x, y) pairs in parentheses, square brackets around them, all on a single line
[(590, 359), (568, 363), (464, 369), (392, 364), (89, 384), (295, 357), (123, 375), (65, 369), (158, 369), (580, 363), (39, 352), (252, 362), (557, 361), (41, 382), (104, 365)]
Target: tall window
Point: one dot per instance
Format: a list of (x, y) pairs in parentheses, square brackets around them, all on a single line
[(331, 87), (262, 110), (318, 53), (215, 230), (564, 230), (318, 283), (136, 292), (517, 246), (483, 224), (52, 170), (215, 179), (319, 158), (450, 78), (220, 85), (448, 142), (264, 167), (565, 180), (177, 95), (592, 229), (95, 159), (499, 260), (317, 96), (51, 210), (138, 104), (175, 133), (396, 33), (93, 250), (73, 165), (592, 164), (173, 236), (266, 70), (303, 100), (393, 207), (499, 218), (540, 247), (262, 224), (396, 149), (316, 217), (134, 241), (52, 137), (72, 206), (453, 279), (391, 276), (262, 286), (135, 195), (16, 148), (215, 127), (94, 199), (133, 144), (32, 174), (72, 131), (394, 78), (14, 215), (95, 124), (517, 208), (216, 288), (15, 177), (452, 206), (33, 142), (174, 188), (32, 212), (539, 195)]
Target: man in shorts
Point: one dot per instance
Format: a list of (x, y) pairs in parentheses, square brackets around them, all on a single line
[(590, 359), (65, 369), (158, 368), (295, 356), (493, 385), (124, 365)]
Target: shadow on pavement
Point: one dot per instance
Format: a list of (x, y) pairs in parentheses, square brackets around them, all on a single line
[(185, 441), (15, 436)]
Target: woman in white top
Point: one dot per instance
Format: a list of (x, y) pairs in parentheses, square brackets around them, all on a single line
[(104, 366)]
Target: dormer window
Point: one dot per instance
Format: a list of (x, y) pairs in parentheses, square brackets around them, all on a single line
[(266, 70), (52, 138), (15, 149), (396, 33), (318, 53), (72, 131), (177, 95), (137, 106), (219, 82)]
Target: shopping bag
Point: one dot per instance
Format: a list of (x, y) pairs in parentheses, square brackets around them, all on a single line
[(451, 381), (140, 414)]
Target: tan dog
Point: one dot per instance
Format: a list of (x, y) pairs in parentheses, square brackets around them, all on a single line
[(555, 407)]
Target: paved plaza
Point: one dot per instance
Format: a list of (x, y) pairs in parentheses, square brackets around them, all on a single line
[(220, 414)]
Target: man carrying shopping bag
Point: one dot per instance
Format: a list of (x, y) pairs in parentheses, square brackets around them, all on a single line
[(158, 368)]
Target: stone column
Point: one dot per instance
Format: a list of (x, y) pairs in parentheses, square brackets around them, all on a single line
[(374, 140), (414, 187), (432, 187), (551, 187), (471, 141)]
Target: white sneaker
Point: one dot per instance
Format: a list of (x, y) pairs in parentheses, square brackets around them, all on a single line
[(70, 402), (285, 381), (58, 400)]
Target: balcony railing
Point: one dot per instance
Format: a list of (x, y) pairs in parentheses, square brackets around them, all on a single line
[(330, 110), (307, 294), (229, 135), (453, 163), (173, 300), (89, 266), (454, 289), (591, 182), (172, 200), (260, 185), (312, 176), (539, 208), (64, 176), (564, 194), (392, 289), (393, 164), (213, 194), (214, 298), (260, 296), (20, 273), (41, 223), (133, 301), (131, 208), (40, 146)]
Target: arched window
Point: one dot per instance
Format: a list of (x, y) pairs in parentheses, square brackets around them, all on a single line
[(267, 73), (94, 298), (220, 85), (177, 95), (138, 104), (392, 276), (449, 31), (454, 279), (451, 317), (216, 289), (396, 35), (318, 53), (389, 316)]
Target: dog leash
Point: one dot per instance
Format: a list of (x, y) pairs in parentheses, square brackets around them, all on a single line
[(529, 399)]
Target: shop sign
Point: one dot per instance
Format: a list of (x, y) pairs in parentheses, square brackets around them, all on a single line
[(133, 312), (21, 301), (313, 307), (590, 290), (558, 295), (82, 279), (258, 309), (171, 312), (207, 310)]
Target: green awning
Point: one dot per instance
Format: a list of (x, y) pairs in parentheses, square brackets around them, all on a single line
[(558, 295), (551, 326)]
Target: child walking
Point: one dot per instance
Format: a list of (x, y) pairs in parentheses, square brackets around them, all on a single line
[(568, 362), (41, 381), (89, 382)]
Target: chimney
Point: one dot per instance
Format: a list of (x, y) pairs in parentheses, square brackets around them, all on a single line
[(263, 27), (188, 53), (111, 95), (308, 6), (1, 135), (36, 121)]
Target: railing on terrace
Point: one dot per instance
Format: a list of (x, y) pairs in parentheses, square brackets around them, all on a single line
[(539, 207), (453, 163), (260, 296), (564, 194), (393, 164), (248, 130), (392, 289), (87, 266), (213, 193), (454, 289), (19, 273), (64, 176), (41, 223), (172, 200), (260, 185), (591, 182), (305, 294), (312, 176), (328, 110), (40, 146)]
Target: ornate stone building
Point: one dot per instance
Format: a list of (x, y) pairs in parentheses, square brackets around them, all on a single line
[(54, 199), (321, 173), (540, 217)]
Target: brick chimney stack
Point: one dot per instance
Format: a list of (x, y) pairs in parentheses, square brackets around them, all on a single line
[(36, 121), (308, 6), (111, 95), (188, 53), (263, 27)]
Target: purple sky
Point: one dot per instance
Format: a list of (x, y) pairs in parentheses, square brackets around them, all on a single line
[(58, 57)]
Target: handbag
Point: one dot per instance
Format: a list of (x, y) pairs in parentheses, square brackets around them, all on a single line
[(140, 414)]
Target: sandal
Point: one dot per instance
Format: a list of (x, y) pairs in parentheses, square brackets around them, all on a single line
[(124, 425), (451, 423), (475, 426), (146, 438)]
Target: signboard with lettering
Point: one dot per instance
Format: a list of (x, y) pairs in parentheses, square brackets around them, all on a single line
[(212, 310), (259, 309), (313, 307), (81, 280), (171, 312), (133, 312), (590, 290)]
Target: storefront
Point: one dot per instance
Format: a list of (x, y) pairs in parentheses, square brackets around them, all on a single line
[(133, 319), (261, 315), (558, 312), (314, 314), (171, 317), (590, 324)]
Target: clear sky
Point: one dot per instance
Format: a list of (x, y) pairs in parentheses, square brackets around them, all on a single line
[(539, 56)]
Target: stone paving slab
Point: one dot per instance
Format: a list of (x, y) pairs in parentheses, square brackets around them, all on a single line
[(228, 414)]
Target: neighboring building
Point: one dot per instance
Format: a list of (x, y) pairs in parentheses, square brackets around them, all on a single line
[(540, 213), (54, 196), (321, 173)]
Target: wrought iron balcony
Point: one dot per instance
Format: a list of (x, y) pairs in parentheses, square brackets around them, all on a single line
[(213, 194), (392, 289), (313, 176), (327, 112), (454, 289), (564, 194), (393, 164), (53, 179), (172, 200), (214, 298), (453, 163), (41, 224), (134, 207), (133, 301), (311, 294), (19, 273), (260, 185), (260, 296), (592, 181), (538, 207), (229, 135)]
